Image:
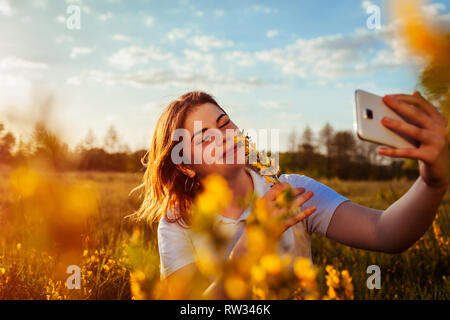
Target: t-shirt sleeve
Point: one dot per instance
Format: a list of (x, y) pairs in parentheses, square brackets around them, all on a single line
[(324, 198), (175, 247)]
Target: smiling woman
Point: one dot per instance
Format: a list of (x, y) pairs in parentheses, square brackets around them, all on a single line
[(171, 186)]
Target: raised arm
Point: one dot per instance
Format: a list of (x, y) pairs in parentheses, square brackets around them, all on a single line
[(406, 220)]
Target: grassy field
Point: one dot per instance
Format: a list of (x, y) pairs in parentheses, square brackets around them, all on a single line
[(118, 258)]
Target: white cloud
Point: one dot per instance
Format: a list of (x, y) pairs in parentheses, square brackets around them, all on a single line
[(160, 78), (206, 43), (6, 8), (74, 81), (121, 37), (219, 13), (365, 4), (271, 104), (338, 55), (60, 18), (134, 55), (244, 59), (149, 21), (193, 70), (63, 39), (14, 63), (77, 51), (105, 16), (199, 13), (271, 33), (42, 4), (176, 34), (433, 9), (260, 9)]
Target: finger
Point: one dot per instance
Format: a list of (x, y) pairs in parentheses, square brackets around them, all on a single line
[(410, 130), (410, 111), (299, 217), (420, 102), (302, 199), (412, 153), (298, 191), (273, 193)]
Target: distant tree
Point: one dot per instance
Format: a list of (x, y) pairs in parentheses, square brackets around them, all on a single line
[(111, 142), (292, 141), (48, 146), (307, 145), (90, 140), (326, 138), (344, 143), (7, 142), (326, 141)]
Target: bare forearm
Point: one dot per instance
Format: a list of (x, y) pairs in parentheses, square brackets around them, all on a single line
[(407, 219)]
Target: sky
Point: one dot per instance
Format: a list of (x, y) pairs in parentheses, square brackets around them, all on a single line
[(271, 65)]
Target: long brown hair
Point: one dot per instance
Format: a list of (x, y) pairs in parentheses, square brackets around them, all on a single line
[(163, 183)]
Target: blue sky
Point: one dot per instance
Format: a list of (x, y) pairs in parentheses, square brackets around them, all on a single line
[(272, 65)]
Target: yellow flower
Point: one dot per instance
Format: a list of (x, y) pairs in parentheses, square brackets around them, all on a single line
[(271, 263), (256, 239), (216, 195), (18, 246), (303, 269), (258, 273), (235, 287), (2, 270)]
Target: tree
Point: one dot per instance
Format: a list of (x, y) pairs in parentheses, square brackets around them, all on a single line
[(326, 140), (7, 142), (87, 143), (48, 147), (308, 140), (292, 140), (90, 140), (344, 142), (111, 142)]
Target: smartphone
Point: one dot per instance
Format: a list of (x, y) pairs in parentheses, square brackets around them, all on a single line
[(370, 109)]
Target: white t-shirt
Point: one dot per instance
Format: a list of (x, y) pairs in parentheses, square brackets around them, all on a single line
[(177, 245)]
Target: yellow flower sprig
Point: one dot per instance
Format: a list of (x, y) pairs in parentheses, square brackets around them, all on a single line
[(261, 161)]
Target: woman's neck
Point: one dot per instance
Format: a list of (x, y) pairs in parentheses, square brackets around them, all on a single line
[(241, 186)]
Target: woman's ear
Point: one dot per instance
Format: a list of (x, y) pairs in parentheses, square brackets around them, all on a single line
[(185, 170)]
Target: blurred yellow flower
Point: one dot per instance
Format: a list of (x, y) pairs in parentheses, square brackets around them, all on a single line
[(256, 239), (303, 269), (271, 263), (236, 287), (216, 195), (258, 273)]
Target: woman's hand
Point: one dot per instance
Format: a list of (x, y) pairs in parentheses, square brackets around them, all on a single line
[(431, 131), (281, 212)]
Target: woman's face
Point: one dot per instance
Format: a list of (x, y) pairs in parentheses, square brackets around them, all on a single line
[(212, 146)]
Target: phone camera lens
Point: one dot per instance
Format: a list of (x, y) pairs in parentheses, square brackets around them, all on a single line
[(369, 114)]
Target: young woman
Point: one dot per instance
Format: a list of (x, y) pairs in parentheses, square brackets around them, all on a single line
[(170, 189)]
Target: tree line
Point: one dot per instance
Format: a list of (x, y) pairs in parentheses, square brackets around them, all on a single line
[(328, 153)]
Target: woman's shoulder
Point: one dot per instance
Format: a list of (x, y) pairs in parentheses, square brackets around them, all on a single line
[(294, 179), (165, 226)]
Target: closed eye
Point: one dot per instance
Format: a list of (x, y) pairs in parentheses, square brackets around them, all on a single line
[(226, 123)]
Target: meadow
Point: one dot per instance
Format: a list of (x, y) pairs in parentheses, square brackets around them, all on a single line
[(118, 258)]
